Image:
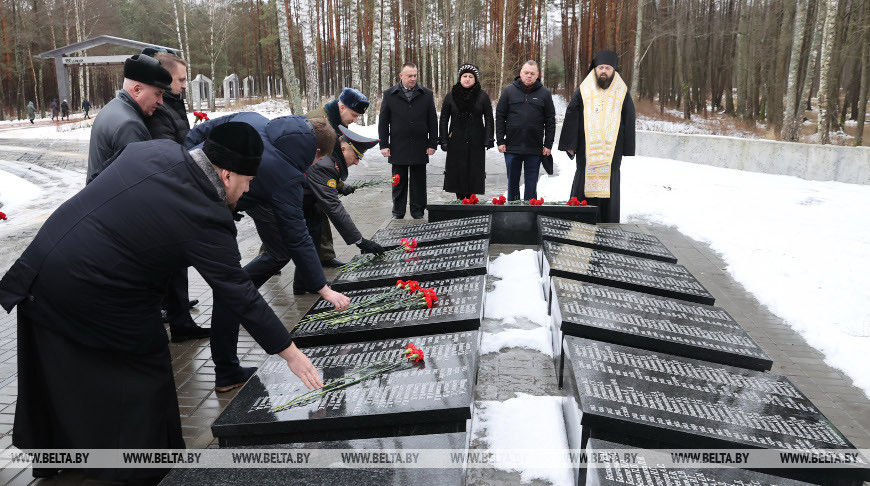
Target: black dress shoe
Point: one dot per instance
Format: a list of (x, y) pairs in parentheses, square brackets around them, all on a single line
[(224, 385), (181, 334), (191, 304), (333, 263)]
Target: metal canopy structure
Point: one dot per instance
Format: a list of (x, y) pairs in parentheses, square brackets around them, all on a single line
[(61, 62)]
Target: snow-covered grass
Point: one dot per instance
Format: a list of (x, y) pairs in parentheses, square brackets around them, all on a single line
[(30, 193), (528, 423), (800, 247)]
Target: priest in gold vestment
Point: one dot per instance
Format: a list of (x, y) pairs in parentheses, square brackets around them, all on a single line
[(599, 130)]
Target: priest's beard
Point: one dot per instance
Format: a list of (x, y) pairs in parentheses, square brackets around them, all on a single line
[(604, 81)]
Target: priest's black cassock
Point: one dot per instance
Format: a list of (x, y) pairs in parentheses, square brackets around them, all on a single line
[(573, 138), (94, 365)]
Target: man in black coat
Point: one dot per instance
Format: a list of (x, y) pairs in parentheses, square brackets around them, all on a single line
[(291, 144), (122, 120), (408, 129), (525, 126), (169, 121), (94, 366), (599, 129)]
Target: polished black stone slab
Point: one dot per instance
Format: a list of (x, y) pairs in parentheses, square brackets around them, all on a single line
[(459, 308), (335, 476), (448, 260), (435, 396), (452, 230), (641, 469), (622, 271), (656, 399), (604, 238), (651, 322), (515, 224)]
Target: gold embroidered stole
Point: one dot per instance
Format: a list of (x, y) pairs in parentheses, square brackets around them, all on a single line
[(602, 111)]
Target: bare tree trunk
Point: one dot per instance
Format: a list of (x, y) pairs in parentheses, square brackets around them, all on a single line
[(386, 41), (865, 77), (635, 63), (376, 60), (791, 122), (309, 35), (504, 18), (743, 62), (287, 68), (815, 47), (187, 53), (545, 34), (81, 71), (181, 45), (825, 71)]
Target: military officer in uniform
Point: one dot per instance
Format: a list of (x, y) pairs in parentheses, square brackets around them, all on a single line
[(321, 195)]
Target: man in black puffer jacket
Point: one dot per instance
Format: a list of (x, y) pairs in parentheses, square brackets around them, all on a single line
[(525, 125)]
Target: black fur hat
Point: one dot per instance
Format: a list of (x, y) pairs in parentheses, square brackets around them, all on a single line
[(236, 147), (148, 70)]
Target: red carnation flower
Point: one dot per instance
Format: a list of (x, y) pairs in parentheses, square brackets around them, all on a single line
[(3, 216), (583, 202), (396, 179)]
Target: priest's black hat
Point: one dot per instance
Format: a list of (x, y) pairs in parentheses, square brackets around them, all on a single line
[(148, 70), (605, 57), (234, 146), (358, 143)]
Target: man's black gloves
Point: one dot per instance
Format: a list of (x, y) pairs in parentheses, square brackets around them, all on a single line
[(369, 246), (346, 189)]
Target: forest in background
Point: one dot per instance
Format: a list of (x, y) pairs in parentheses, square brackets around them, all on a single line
[(765, 61)]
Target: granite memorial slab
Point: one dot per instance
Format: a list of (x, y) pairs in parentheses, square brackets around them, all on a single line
[(651, 322), (434, 396), (340, 475), (514, 224), (448, 260), (604, 238), (459, 308), (622, 271), (659, 400), (449, 231), (642, 469)]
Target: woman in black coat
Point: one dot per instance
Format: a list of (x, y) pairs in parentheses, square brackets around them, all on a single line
[(467, 110)]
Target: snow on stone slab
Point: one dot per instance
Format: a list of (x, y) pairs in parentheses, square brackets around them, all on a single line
[(519, 292), (538, 339), (527, 423), (800, 247)]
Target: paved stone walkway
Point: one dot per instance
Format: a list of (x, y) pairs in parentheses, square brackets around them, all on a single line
[(501, 375)]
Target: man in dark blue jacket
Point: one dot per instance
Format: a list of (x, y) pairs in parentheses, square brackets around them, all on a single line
[(525, 125), (94, 368), (292, 144)]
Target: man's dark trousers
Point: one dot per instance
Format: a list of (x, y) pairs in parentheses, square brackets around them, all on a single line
[(528, 164), (225, 323), (417, 176)]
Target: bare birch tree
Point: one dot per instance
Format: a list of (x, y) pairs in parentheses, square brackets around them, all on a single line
[(308, 26), (635, 67), (865, 77), (791, 123), (825, 71), (290, 80)]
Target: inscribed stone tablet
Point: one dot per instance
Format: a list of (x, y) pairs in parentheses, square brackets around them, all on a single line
[(655, 323), (426, 234), (623, 271), (459, 308), (604, 238), (679, 400), (301, 474), (642, 469), (440, 261), (435, 396)]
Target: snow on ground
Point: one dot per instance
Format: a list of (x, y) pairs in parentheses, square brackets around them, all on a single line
[(15, 192), (508, 426), (800, 247), (561, 106), (536, 339), (519, 292), (70, 131), (30, 193)]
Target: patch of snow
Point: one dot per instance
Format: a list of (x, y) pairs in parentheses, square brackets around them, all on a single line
[(72, 131), (519, 292), (561, 106), (800, 247), (536, 339), (508, 425), (15, 191)]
